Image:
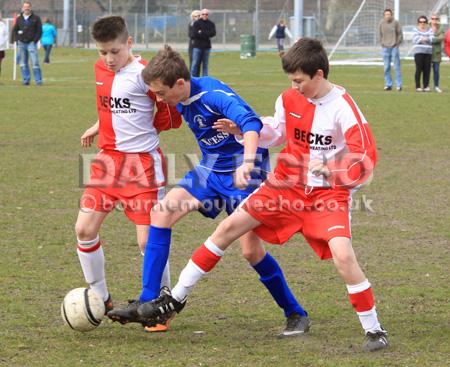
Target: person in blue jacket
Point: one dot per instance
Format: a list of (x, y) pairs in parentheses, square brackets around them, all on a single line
[(227, 173), (48, 38)]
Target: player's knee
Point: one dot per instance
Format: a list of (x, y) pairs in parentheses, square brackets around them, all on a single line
[(251, 255), (84, 233), (344, 261), (161, 217)]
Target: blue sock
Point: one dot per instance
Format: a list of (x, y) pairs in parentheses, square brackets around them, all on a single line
[(272, 277), (155, 259)]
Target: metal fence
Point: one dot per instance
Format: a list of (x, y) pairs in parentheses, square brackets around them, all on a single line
[(171, 26)]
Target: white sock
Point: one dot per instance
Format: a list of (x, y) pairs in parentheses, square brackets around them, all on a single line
[(93, 266), (189, 276), (192, 273), (369, 320), (165, 280)]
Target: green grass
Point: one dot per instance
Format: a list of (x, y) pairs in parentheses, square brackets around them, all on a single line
[(403, 245)]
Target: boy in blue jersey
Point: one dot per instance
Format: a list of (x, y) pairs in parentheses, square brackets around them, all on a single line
[(220, 180)]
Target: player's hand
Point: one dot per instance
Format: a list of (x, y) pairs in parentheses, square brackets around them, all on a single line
[(242, 175), (318, 168), (227, 126), (88, 137)]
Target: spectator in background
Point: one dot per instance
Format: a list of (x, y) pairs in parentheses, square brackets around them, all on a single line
[(422, 38), (436, 53), (280, 31), (27, 31), (3, 40), (48, 39), (202, 32), (195, 15), (391, 36)]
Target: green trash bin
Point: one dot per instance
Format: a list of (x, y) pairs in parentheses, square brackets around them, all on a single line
[(248, 46)]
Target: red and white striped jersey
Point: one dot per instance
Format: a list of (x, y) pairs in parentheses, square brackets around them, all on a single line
[(331, 129), (126, 110)]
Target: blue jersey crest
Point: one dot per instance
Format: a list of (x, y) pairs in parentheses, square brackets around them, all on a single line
[(210, 100)]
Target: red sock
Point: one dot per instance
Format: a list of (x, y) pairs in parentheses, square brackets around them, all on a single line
[(205, 259), (362, 301)]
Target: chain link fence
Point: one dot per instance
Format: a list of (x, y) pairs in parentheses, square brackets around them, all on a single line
[(168, 21)]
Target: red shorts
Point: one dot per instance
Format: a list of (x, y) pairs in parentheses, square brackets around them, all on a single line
[(320, 215), (133, 180)]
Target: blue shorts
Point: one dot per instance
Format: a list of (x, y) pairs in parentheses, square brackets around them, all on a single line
[(216, 190)]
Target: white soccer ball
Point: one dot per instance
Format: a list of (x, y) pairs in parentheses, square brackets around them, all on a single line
[(82, 309)]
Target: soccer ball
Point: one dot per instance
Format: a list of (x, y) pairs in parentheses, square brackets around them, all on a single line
[(82, 309)]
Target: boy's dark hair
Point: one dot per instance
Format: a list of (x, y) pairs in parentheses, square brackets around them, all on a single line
[(168, 66), (387, 9), (422, 17), (110, 28), (307, 55)]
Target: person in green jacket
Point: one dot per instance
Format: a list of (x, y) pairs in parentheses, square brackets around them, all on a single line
[(436, 56)]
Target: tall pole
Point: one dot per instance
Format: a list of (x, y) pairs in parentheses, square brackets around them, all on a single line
[(256, 24), (66, 20), (146, 25), (397, 9), (298, 20), (319, 13), (74, 23)]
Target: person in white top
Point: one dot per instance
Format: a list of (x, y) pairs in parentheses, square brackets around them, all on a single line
[(422, 41), (130, 168), (280, 31), (3, 40)]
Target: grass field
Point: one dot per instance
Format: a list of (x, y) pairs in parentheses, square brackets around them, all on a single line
[(403, 244)]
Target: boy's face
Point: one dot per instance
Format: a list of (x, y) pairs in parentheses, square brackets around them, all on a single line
[(171, 96), (115, 54), (305, 85)]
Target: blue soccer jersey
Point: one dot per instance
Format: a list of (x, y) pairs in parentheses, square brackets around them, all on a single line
[(210, 100)]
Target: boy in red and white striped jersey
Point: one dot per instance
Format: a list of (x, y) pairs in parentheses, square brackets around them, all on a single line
[(130, 167), (329, 153)]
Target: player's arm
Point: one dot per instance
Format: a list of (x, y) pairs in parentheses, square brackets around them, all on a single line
[(166, 117), (272, 134), (249, 124), (242, 175), (89, 135)]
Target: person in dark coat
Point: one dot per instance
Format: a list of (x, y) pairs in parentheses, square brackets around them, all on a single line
[(27, 32), (202, 32)]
